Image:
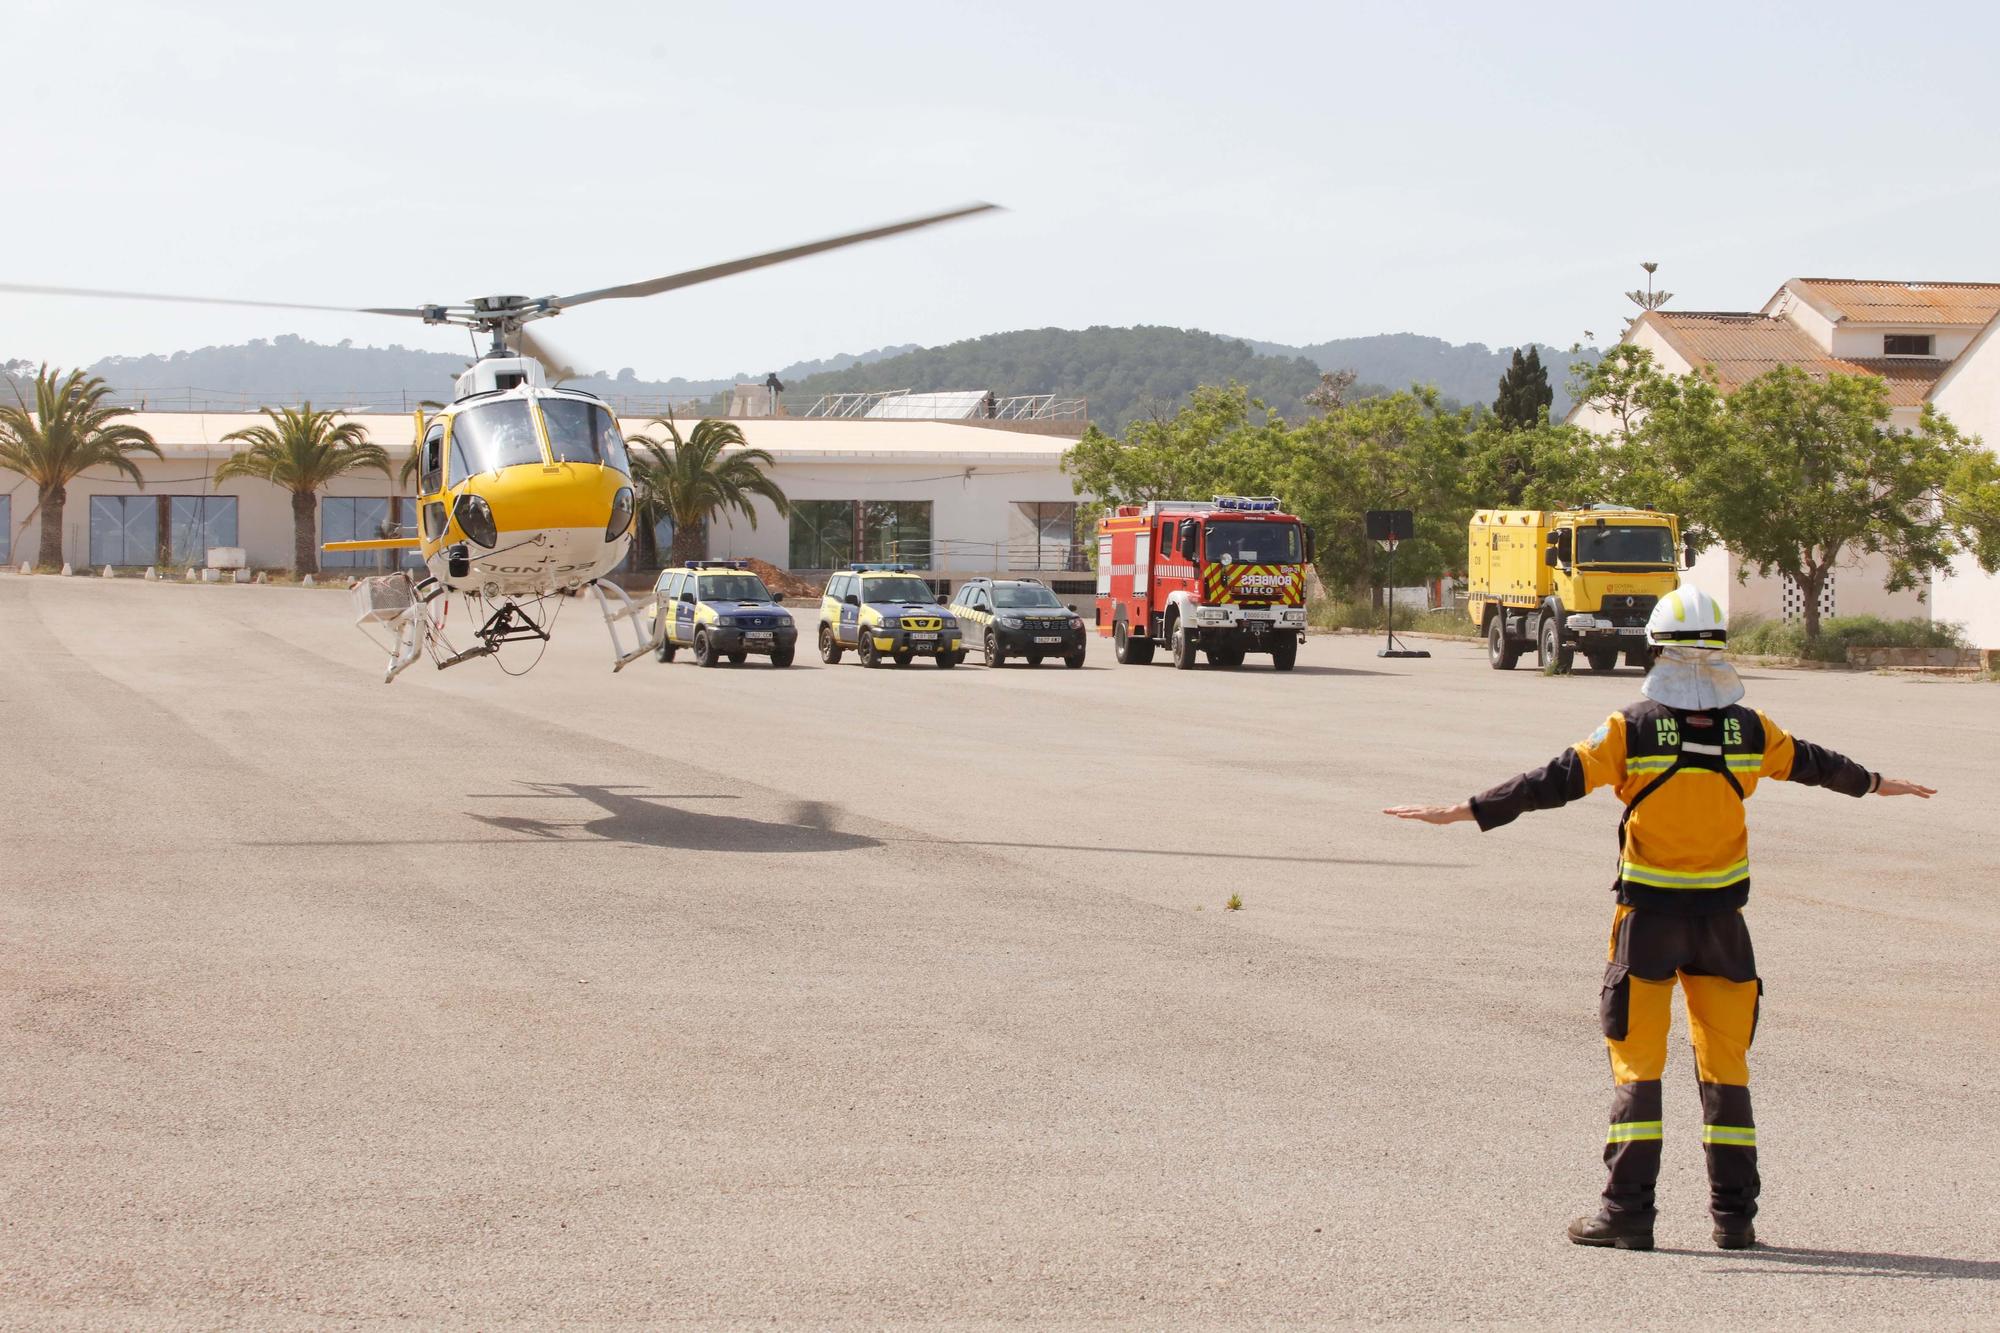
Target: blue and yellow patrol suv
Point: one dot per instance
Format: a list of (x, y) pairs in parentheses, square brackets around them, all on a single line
[(886, 613), (1019, 618), (718, 609)]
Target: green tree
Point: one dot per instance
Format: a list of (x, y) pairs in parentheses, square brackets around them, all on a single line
[(68, 430), (1539, 466), (302, 450), (1221, 441), (1792, 473), (712, 471), (1407, 450), (1524, 390)]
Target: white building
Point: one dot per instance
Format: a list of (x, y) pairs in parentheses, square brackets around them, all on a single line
[(953, 498), (1930, 342)]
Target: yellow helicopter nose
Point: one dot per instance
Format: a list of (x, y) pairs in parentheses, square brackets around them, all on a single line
[(534, 496)]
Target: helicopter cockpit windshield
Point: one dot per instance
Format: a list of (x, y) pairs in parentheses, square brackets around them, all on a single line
[(492, 436), (581, 432)]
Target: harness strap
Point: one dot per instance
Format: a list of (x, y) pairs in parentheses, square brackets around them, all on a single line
[(1680, 762)]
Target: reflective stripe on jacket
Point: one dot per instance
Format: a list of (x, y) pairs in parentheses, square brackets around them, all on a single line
[(1683, 777)]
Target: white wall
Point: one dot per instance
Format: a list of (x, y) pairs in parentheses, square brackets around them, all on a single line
[(263, 511), (1970, 396), (972, 475), (1865, 340), (971, 505)]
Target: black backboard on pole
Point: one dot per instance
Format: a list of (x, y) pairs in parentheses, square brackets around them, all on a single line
[(1391, 525), (1391, 528)]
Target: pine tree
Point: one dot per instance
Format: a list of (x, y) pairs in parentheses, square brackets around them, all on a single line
[(1524, 390)]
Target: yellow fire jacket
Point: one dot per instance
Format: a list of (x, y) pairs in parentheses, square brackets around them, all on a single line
[(1683, 776)]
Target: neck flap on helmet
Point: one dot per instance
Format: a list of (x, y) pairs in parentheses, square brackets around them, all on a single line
[(1692, 679)]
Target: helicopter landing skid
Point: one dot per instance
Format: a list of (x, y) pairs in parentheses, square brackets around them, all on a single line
[(617, 605)]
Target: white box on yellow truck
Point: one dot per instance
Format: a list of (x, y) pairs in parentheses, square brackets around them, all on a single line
[(1570, 581)]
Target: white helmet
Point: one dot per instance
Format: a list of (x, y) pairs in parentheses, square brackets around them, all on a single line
[(1687, 618)]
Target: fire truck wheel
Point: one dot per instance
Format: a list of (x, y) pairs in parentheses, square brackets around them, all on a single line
[(829, 650), (1184, 650), (1285, 653), (1501, 652), (1128, 650), (994, 657), (1225, 657), (1603, 661)]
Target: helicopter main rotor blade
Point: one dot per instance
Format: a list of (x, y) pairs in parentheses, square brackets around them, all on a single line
[(555, 363), (26, 289), (688, 279)]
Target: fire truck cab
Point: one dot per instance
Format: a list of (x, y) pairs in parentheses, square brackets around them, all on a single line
[(1226, 577)]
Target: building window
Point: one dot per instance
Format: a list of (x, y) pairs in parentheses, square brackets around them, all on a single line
[(897, 530), (355, 518), (196, 524), (159, 529), (1906, 344), (822, 534), (827, 534), (1042, 535), (124, 530)]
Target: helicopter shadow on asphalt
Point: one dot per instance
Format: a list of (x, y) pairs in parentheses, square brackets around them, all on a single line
[(636, 818)]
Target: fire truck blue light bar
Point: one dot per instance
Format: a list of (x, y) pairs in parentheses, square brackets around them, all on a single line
[(1248, 503)]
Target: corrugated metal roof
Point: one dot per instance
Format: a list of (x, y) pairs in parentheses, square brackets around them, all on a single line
[(1864, 301), (1743, 346)]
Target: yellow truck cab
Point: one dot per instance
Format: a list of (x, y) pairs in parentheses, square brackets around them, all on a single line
[(1570, 581)]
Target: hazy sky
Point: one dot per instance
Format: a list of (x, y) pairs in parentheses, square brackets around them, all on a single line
[(1289, 172)]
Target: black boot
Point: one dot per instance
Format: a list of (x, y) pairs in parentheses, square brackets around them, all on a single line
[(1614, 1232), (1734, 1233)]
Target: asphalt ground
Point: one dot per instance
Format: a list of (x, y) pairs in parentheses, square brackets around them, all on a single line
[(836, 997)]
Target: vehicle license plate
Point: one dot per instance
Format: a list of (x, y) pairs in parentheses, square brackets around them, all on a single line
[(1632, 629), (923, 638), (1048, 638), (760, 636)]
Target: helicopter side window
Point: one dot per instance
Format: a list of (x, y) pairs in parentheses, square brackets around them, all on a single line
[(584, 433), (430, 469), (492, 436)]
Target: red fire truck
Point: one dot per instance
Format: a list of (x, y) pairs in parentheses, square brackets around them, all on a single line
[(1226, 577)]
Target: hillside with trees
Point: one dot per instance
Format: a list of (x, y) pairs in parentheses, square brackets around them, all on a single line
[(290, 369), (1127, 374), (1462, 372)]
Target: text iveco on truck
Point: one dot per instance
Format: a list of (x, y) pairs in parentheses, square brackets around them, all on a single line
[(1226, 577)]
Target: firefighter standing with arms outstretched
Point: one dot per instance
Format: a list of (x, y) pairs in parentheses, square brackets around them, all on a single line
[(1683, 760)]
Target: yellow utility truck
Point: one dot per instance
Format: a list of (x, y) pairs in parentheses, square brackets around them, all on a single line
[(1570, 581)]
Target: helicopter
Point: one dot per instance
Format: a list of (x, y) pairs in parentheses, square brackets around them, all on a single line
[(524, 489)]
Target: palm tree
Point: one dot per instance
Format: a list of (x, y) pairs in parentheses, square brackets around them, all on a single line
[(302, 450), (696, 480), (68, 430)]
